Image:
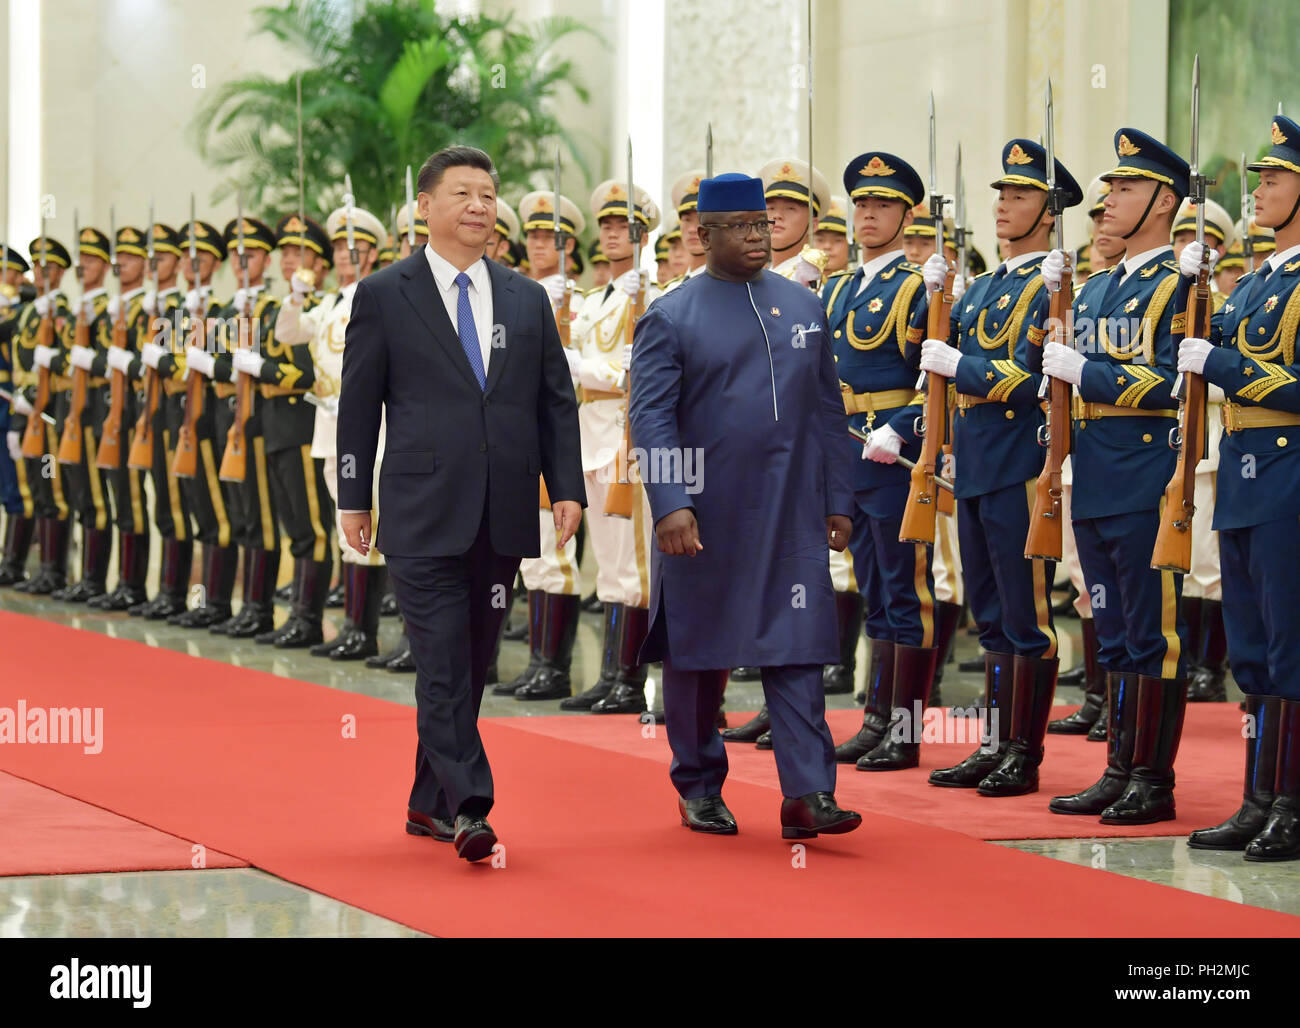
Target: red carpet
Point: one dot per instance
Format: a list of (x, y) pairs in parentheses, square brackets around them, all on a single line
[(1209, 771), (48, 833), (270, 769)]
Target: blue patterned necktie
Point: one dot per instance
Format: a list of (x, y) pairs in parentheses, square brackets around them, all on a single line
[(1259, 287), (1113, 286), (467, 332)]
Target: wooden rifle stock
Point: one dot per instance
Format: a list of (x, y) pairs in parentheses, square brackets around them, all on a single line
[(34, 433), (234, 462), (944, 498), (621, 495), (141, 455), (110, 440), (563, 316), (185, 464), (1044, 540), (70, 449), (922, 504), (1173, 549)]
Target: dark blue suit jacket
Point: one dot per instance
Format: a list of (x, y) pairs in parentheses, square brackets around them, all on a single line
[(452, 446)]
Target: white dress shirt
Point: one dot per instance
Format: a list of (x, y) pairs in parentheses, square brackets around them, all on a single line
[(1139, 260), (1013, 263), (1276, 260), (480, 296), (873, 267)]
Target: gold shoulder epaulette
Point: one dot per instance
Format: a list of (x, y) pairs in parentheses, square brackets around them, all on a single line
[(1171, 265), (910, 266)]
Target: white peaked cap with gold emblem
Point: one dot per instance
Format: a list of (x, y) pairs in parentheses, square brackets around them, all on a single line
[(537, 210), (610, 197), (788, 177)]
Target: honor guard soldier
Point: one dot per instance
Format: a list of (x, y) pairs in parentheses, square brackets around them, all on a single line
[(1231, 266), (552, 579), (43, 325), (918, 240), (832, 236), (786, 185), (498, 248), (249, 503), (1251, 356), (406, 216), (1122, 365), (386, 255), (1207, 643), (663, 263), (686, 202), (876, 317), (19, 523), (998, 459), (602, 346), (303, 246), (320, 329), (171, 512), (199, 446), (85, 485), (678, 259), (127, 484), (600, 272), (284, 374)]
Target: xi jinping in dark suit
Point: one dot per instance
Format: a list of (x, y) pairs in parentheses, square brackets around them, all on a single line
[(463, 358)]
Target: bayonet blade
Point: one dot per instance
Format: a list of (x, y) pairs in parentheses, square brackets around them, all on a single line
[(1196, 114), (633, 227), (1247, 244), (112, 240), (76, 242), (302, 206), (559, 233), (809, 70), (934, 157), (348, 201), (708, 151), (410, 210)]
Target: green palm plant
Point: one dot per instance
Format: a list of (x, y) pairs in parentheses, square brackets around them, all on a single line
[(383, 88)]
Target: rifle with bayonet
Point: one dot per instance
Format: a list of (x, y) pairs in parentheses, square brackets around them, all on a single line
[(234, 462), (185, 462), (946, 500), (1247, 243), (621, 496), (564, 313), (70, 442), (109, 454), (1173, 549), (1044, 539), (922, 502), (140, 456), (34, 436)]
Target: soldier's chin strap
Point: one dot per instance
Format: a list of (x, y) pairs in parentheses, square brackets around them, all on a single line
[(1294, 208), (1037, 221), (1150, 203)]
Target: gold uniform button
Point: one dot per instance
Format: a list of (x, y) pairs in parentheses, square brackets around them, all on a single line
[(1146, 437), (838, 333), (1009, 415), (1281, 440)]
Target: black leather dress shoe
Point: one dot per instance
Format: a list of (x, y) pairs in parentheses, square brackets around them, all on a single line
[(764, 741), (816, 814), (423, 824), (746, 674), (474, 838), (751, 729), (707, 814)]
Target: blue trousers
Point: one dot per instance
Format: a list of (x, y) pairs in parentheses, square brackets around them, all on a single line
[(801, 741), (896, 579), (1261, 614), (1009, 596), (1136, 610)]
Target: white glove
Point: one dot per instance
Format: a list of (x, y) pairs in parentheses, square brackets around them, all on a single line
[(1063, 362), (42, 306), (574, 357), (200, 361), (935, 272), (194, 303), (554, 286), (629, 282), (248, 362), (114, 305), (82, 357), (14, 442), (882, 446), (1192, 353), (939, 357), (625, 358), (150, 303), (44, 355), (1053, 270), (298, 289), (1189, 261), (21, 406), (331, 405), (958, 288), (119, 358), (88, 308), (151, 354), (241, 301), (806, 273)]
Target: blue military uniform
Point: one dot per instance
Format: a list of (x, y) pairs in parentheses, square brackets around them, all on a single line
[(18, 523), (1255, 513), (1124, 322), (998, 459), (876, 316), (759, 408)]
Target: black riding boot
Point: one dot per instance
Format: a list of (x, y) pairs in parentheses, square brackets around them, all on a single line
[(613, 621), (997, 706)]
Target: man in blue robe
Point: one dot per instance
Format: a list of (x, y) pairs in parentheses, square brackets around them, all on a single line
[(738, 426)]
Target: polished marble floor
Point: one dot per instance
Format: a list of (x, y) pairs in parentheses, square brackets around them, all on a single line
[(247, 902)]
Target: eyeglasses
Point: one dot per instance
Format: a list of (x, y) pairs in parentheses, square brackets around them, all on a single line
[(741, 228)]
